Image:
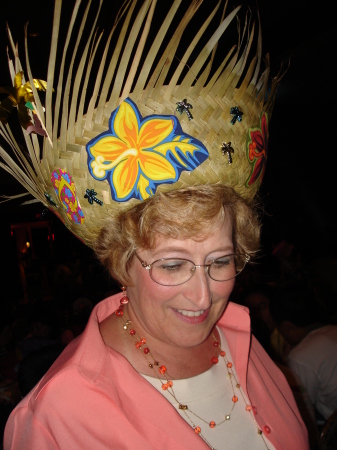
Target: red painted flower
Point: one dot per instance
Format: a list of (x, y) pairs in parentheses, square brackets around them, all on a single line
[(257, 150)]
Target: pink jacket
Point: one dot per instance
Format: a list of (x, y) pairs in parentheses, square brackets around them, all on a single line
[(93, 399)]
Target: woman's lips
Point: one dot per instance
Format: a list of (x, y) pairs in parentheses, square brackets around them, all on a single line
[(192, 316)]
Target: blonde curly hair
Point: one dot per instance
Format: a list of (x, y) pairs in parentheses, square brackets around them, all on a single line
[(180, 214)]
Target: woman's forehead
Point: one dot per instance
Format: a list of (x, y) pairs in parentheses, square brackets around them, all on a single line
[(214, 235)]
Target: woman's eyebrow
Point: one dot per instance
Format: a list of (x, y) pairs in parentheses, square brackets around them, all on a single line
[(181, 250), (169, 249)]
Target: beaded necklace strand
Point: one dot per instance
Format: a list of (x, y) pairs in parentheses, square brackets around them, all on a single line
[(140, 343)]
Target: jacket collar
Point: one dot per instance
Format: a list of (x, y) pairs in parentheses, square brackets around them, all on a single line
[(111, 372)]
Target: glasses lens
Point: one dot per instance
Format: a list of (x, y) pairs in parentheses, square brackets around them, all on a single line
[(171, 272), (227, 267)]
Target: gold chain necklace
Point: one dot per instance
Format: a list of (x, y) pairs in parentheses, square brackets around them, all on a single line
[(140, 343)]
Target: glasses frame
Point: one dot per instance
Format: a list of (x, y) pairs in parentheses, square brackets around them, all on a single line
[(148, 267)]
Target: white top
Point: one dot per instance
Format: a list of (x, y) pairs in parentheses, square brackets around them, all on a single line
[(209, 395), (314, 360)]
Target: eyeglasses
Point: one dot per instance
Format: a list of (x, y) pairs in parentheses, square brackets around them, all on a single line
[(176, 271)]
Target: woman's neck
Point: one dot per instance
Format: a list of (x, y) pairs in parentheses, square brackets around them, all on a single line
[(181, 362)]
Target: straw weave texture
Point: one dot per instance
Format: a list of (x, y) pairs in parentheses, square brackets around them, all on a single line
[(212, 91)]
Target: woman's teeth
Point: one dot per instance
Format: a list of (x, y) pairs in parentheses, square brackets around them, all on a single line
[(190, 313)]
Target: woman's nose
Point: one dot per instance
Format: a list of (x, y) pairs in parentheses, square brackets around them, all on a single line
[(198, 291), (201, 266)]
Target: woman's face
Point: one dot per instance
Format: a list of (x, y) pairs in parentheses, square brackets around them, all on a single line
[(181, 315)]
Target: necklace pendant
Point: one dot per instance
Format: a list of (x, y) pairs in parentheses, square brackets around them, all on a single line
[(183, 407)]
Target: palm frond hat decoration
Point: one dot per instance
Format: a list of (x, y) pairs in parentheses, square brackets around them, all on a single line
[(156, 118)]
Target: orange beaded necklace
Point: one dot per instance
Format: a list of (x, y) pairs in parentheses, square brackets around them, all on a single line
[(167, 385)]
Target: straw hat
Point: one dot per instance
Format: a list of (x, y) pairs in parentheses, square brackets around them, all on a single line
[(157, 118)]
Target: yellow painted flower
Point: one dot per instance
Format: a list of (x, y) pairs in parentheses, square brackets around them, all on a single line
[(137, 154)]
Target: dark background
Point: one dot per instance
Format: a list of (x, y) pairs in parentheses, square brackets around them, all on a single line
[(297, 194)]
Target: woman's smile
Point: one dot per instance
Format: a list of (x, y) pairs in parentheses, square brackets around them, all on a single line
[(190, 313), (192, 317)]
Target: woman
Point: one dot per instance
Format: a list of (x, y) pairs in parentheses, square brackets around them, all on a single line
[(169, 362), (180, 312)]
